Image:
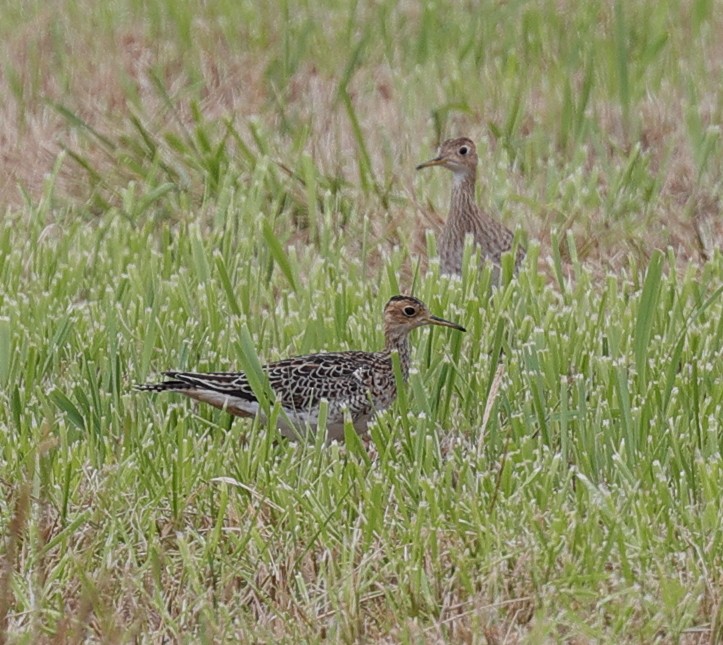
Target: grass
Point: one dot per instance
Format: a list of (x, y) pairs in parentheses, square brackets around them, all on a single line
[(200, 190)]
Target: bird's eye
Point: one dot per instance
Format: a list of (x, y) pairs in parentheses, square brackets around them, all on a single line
[(409, 311), (463, 150)]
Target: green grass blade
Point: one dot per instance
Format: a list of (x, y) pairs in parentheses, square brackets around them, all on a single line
[(5, 350), (227, 287), (279, 255), (646, 314), (252, 368)]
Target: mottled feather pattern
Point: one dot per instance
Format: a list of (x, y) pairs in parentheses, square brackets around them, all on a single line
[(355, 384), (300, 382)]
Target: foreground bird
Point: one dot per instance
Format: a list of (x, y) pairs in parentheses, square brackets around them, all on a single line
[(355, 384), (492, 237)]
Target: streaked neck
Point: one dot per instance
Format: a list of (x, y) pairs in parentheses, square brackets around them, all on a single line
[(463, 194), (399, 340)]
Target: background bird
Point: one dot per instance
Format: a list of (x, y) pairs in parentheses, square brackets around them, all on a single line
[(491, 236)]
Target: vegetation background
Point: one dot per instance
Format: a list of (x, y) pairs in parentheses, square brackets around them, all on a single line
[(182, 183)]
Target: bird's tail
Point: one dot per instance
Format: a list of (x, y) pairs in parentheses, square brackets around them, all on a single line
[(176, 381)]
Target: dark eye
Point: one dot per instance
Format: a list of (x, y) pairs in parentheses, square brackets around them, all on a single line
[(463, 150), (409, 311)]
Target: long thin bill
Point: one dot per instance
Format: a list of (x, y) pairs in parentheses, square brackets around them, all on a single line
[(432, 162), (436, 320)]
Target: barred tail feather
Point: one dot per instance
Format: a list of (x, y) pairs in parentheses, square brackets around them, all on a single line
[(227, 382), (165, 386), (196, 385), (214, 389)]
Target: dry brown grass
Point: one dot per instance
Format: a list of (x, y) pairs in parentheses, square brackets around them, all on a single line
[(105, 77)]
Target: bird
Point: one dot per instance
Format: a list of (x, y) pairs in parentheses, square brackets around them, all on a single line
[(356, 384), (492, 237)]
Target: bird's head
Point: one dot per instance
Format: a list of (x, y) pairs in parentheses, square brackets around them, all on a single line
[(458, 155), (404, 313)]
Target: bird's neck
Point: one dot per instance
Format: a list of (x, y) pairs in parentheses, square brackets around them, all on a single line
[(463, 194), (399, 341)]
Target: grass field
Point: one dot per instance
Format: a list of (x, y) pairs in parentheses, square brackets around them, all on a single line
[(178, 183)]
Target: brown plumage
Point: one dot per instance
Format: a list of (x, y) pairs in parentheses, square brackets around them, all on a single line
[(355, 384), (492, 237)]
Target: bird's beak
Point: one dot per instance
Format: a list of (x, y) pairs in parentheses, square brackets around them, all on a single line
[(435, 320), (437, 161)]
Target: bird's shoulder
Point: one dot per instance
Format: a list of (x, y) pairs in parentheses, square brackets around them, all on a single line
[(302, 381), (327, 365)]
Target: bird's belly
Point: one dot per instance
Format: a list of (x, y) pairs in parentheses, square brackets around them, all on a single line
[(450, 255), (304, 426), (335, 431), (451, 259), (298, 424)]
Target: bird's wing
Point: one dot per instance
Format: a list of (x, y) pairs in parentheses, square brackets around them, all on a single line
[(298, 383), (303, 381), (495, 238)]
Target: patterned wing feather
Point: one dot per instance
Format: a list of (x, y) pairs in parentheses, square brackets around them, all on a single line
[(298, 383), (302, 382)]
